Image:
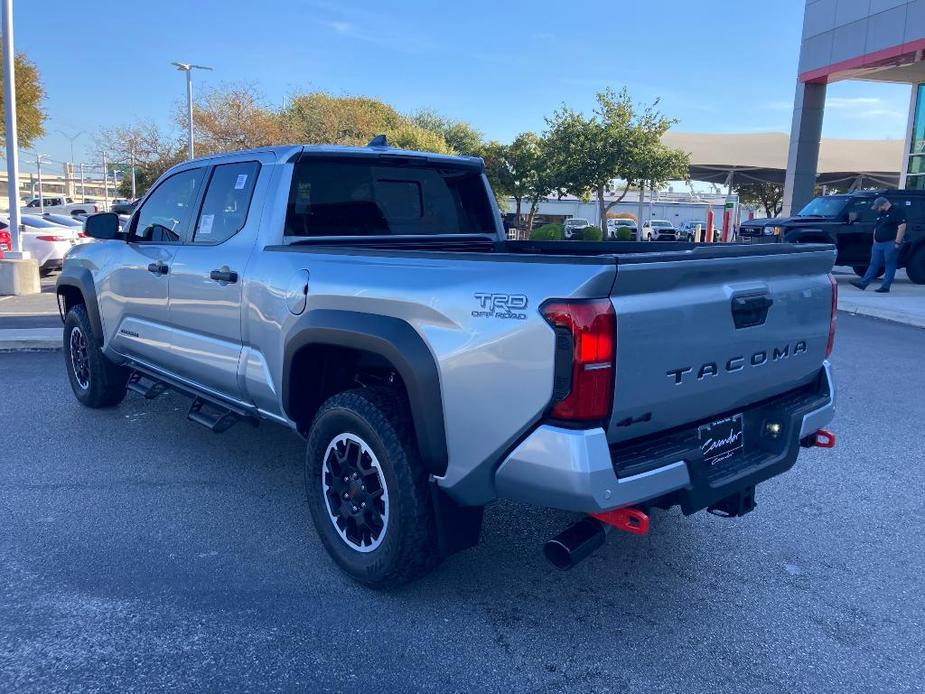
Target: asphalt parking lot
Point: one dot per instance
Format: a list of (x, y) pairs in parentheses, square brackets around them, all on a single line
[(139, 551)]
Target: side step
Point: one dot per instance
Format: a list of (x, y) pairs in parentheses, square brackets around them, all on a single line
[(145, 385), (211, 413), (214, 417)]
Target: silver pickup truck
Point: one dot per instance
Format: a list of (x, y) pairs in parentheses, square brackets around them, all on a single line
[(367, 299)]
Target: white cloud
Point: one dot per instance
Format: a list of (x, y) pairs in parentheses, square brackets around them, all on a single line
[(340, 27)]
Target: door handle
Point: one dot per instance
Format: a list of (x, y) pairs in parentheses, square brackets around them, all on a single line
[(158, 268), (223, 274)]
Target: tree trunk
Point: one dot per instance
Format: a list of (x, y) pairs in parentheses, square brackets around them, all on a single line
[(517, 214), (602, 211)]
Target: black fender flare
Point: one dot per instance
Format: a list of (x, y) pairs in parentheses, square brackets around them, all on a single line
[(81, 279), (395, 340)]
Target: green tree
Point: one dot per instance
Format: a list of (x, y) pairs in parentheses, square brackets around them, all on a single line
[(30, 98), (619, 141), (460, 137), (769, 195)]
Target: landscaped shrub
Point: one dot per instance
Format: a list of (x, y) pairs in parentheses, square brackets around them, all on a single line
[(547, 232), (592, 233)]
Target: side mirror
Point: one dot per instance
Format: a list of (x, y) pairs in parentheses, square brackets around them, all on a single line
[(104, 225)]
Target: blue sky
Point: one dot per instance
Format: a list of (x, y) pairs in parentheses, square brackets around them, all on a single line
[(722, 66)]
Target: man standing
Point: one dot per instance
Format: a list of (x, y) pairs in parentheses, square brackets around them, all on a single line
[(889, 230)]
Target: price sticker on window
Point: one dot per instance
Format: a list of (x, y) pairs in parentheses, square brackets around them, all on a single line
[(240, 182), (205, 223)]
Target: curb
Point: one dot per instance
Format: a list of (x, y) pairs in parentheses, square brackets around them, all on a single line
[(894, 316), (30, 339)]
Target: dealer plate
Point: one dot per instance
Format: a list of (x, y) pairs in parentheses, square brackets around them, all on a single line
[(721, 440)]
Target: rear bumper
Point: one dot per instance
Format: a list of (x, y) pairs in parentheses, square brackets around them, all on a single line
[(576, 470)]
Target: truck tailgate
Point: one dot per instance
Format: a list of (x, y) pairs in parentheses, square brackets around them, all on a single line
[(702, 333)]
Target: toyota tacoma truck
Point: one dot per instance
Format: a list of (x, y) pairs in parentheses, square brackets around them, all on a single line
[(367, 299)]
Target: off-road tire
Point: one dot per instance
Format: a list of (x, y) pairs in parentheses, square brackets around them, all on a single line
[(409, 547), (915, 268), (103, 382)]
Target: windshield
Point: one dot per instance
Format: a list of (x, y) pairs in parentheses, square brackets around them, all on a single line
[(826, 206), (660, 223)]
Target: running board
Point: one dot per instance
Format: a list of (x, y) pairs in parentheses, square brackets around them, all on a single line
[(212, 416), (210, 412), (145, 386)]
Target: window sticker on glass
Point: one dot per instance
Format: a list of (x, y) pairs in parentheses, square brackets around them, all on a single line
[(240, 182), (205, 223)]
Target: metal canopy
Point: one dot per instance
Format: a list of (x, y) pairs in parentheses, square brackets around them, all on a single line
[(762, 157)]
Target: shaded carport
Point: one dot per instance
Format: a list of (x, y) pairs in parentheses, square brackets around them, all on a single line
[(729, 158)]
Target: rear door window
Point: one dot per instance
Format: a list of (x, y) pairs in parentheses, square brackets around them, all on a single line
[(227, 201), (913, 206), (369, 197)]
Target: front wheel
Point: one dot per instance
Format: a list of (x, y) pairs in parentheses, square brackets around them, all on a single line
[(368, 489), (96, 381), (915, 268)]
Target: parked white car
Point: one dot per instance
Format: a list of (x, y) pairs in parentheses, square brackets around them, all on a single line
[(573, 227), (614, 225), (659, 230), (64, 220), (46, 241), (58, 204)]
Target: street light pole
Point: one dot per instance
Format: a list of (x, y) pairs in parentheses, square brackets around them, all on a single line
[(133, 171), (9, 122), (38, 164), (83, 192), (71, 138), (188, 69)]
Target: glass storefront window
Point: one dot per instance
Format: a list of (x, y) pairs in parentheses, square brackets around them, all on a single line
[(915, 172), (918, 128), (915, 182)]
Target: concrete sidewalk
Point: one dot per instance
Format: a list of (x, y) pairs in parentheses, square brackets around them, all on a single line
[(30, 322), (904, 304)]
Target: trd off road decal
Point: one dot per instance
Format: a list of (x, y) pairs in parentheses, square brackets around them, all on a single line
[(507, 306)]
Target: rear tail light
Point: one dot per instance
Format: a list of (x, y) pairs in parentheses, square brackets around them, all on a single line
[(831, 343), (54, 238), (585, 358), (6, 241), (95, 209)]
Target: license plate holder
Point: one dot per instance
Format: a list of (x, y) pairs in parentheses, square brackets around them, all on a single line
[(722, 439)]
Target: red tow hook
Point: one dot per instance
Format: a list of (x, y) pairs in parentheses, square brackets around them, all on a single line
[(824, 439), (628, 519)]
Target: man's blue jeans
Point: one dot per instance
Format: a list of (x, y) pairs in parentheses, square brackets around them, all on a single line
[(882, 253)]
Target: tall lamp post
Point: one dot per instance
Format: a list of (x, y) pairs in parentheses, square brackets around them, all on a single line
[(188, 69), (9, 122)]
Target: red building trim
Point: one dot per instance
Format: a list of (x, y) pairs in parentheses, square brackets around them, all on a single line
[(902, 54)]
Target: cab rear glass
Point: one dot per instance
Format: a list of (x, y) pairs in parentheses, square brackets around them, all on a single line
[(370, 197)]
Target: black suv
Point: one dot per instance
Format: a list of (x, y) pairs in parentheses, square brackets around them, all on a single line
[(848, 222)]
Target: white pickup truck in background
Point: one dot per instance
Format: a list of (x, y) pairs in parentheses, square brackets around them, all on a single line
[(59, 204)]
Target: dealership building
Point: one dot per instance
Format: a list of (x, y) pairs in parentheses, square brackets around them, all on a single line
[(880, 40)]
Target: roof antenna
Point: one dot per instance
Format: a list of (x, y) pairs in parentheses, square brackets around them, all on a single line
[(379, 141)]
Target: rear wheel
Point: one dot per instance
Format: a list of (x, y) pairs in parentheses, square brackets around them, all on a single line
[(368, 489), (95, 380), (915, 268)]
